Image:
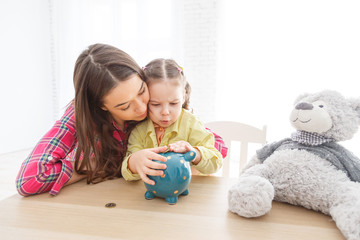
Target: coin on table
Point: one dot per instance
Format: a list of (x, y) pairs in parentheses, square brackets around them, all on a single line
[(110, 205)]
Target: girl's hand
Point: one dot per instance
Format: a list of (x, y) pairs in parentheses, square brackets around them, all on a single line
[(141, 163), (181, 147), (184, 147)]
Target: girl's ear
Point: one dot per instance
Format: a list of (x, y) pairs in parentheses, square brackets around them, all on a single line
[(104, 108)]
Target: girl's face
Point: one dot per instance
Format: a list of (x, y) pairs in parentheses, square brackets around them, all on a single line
[(127, 101), (166, 100)]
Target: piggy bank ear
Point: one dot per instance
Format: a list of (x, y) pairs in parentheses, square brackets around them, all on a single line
[(189, 156)]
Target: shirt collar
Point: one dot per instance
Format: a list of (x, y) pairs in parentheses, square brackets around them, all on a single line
[(310, 138), (117, 128), (172, 128)]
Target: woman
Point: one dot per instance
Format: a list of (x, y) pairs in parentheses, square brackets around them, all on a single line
[(90, 139)]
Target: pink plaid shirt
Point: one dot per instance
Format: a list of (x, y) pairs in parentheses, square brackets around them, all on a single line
[(49, 166)]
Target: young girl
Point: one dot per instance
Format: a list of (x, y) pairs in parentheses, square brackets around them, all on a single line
[(90, 139), (169, 124)]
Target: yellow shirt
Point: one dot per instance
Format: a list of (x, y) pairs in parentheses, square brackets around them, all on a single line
[(187, 128)]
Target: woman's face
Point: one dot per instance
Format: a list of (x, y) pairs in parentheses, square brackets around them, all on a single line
[(127, 101)]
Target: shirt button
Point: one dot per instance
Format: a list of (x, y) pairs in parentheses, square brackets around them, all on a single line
[(50, 158)]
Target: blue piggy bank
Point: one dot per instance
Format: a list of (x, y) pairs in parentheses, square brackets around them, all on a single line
[(175, 180)]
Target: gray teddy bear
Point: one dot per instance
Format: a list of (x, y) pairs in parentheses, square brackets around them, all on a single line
[(309, 169)]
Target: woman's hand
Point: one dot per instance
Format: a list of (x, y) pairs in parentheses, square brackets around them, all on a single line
[(141, 162), (184, 147)]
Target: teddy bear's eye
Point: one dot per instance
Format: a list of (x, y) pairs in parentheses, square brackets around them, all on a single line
[(321, 106)]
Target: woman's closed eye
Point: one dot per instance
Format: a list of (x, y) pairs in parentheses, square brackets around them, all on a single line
[(125, 108), (142, 91)]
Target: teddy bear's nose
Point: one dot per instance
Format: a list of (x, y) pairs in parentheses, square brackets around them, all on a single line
[(304, 106)]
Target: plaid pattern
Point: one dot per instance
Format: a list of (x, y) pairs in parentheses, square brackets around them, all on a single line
[(49, 166), (309, 138), (219, 144)]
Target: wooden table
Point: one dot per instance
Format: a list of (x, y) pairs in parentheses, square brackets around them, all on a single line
[(79, 212)]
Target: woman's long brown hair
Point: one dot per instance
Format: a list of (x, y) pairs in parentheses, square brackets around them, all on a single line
[(99, 69)]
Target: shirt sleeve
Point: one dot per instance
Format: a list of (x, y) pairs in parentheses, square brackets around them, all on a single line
[(48, 168), (135, 144), (204, 141)]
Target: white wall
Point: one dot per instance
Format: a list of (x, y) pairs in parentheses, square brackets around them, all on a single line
[(26, 91), (42, 39), (246, 60), (200, 51), (272, 51)]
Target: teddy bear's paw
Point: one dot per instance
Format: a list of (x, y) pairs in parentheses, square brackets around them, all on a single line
[(347, 218), (251, 196)]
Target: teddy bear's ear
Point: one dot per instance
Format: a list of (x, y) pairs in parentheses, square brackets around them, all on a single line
[(355, 104)]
